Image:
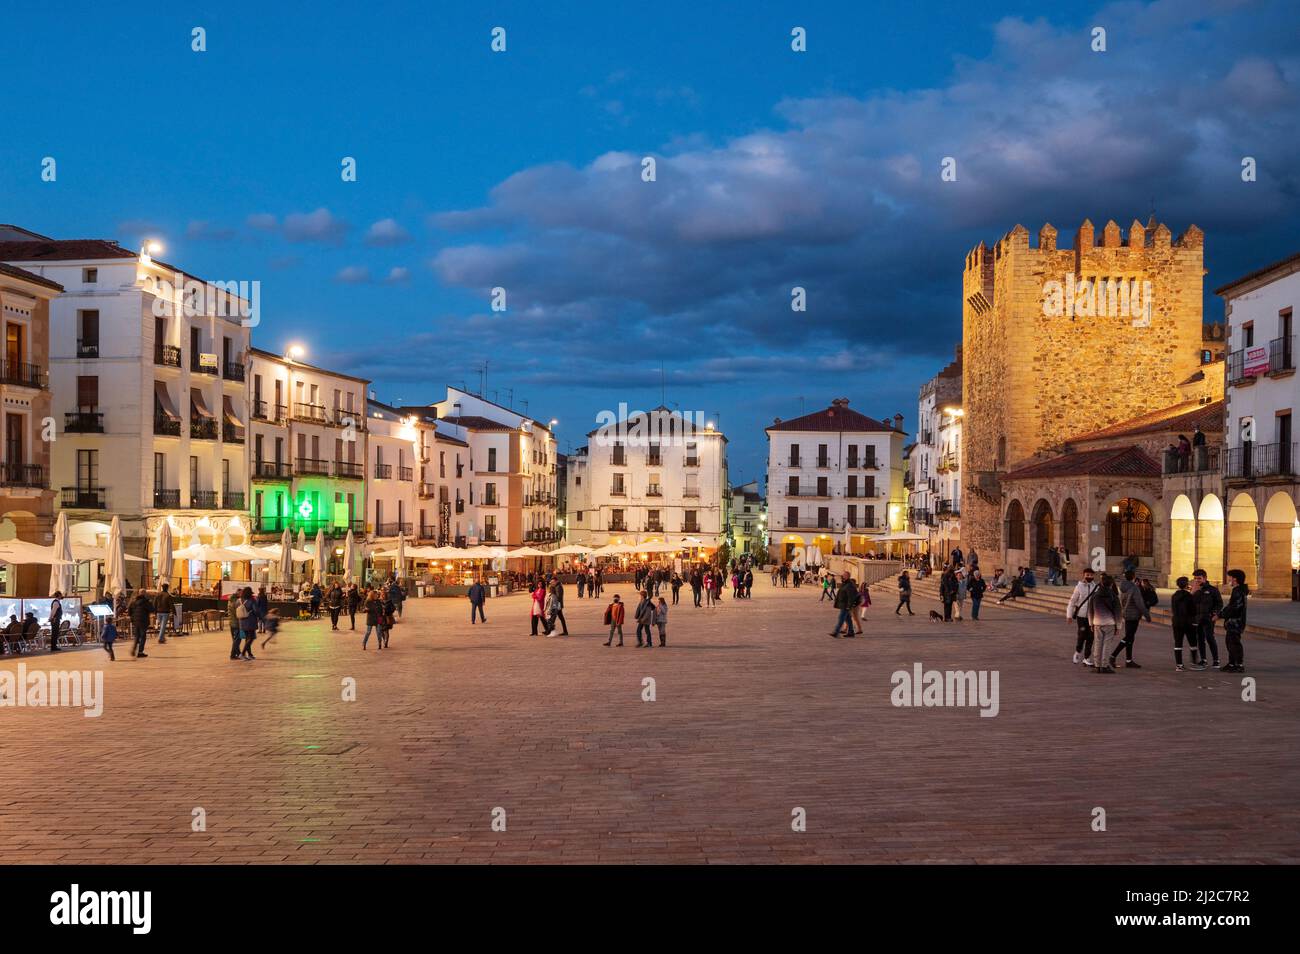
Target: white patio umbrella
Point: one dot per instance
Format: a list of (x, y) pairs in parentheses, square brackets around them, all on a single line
[(349, 556), (207, 553), (286, 557), (164, 551), (115, 558), (573, 549), (62, 575), (401, 555), (20, 553), (528, 552), (318, 564), (848, 539), (302, 539)]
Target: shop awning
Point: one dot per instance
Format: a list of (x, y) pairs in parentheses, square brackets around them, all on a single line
[(163, 398), (199, 405), (232, 418)]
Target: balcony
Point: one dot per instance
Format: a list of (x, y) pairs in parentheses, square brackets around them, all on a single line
[(83, 422), (690, 528), (233, 500), (24, 375), (314, 413), (311, 466), (460, 505), (654, 460), (232, 371), (861, 493), (490, 500), (203, 428), (262, 411), (272, 470), (392, 529), (490, 536), (692, 462), (203, 499), (349, 470), (84, 498), (947, 508), (383, 471), (541, 535), (166, 426), (167, 499), (1203, 459), (919, 515), (232, 433), (1281, 356), (197, 366), (691, 492), (618, 490), (87, 348), (1255, 461), (346, 418), (167, 356), (793, 462), (405, 473), (1281, 362), (654, 490), (804, 490), (271, 524), (617, 526), (24, 475), (823, 461), (654, 526)]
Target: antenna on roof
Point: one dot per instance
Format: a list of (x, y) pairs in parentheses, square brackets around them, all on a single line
[(511, 399), (525, 404), (482, 377)]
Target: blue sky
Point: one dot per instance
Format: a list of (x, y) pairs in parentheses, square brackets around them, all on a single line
[(521, 170)]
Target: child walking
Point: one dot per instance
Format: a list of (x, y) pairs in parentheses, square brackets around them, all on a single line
[(109, 636)]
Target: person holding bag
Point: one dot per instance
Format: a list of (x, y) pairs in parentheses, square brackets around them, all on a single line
[(1077, 611)]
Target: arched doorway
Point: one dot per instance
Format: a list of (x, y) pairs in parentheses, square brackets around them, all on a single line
[(1130, 529), (791, 544), (1044, 530), (1242, 545), (1070, 526), (1182, 538), (1275, 557), (1014, 530), (1209, 538)]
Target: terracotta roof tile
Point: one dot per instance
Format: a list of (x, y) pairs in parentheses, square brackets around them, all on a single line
[(1108, 462), (1177, 417), (61, 250), (14, 271), (834, 418)]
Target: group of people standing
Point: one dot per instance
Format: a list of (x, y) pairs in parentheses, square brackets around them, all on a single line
[(1101, 607)]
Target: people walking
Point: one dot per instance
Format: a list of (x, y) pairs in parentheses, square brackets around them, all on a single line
[(846, 598), (164, 608), (334, 603), (537, 610), (141, 611), (1234, 621), (374, 619), (904, 594), (644, 614), (478, 596), (354, 604), (556, 613), (975, 588), (1104, 614), (315, 596), (614, 614), (1133, 608), (232, 617), (676, 585), (108, 636), (247, 614), (948, 592), (1077, 610), (661, 622)]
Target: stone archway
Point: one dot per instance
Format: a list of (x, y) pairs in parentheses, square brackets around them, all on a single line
[(1130, 529), (1275, 553), (1014, 526), (1242, 546), (1070, 526), (1043, 533), (1182, 538), (1209, 538)]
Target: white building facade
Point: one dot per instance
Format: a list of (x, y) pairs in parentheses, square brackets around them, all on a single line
[(834, 475), (148, 371), (1260, 465), (652, 476), (934, 461)]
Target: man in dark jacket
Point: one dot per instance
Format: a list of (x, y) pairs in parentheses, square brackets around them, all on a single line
[(644, 616), (948, 587), (904, 594), (1133, 604), (846, 597), (477, 596), (1208, 601), (56, 620), (1234, 621), (558, 605), (1183, 607), (141, 611)]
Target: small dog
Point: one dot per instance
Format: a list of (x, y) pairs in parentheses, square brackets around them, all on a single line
[(936, 617)]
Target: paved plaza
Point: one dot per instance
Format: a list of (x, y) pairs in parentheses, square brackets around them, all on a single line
[(757, 712)]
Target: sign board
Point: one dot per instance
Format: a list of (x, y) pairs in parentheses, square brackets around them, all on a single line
[(1256, 362), (208, 362)]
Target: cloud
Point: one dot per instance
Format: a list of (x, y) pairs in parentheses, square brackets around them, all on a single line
[(262, 222), (319, 226), (353, 275), (842, 195), (202, 230), (386, 232), (397, 275)]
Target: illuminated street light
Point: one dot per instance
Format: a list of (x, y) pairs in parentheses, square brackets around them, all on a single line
[(295, 352)]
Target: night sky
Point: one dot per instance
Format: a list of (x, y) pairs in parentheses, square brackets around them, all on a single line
[(522, 170)]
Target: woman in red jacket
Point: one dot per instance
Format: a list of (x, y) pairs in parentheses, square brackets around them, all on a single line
[(538, 611)]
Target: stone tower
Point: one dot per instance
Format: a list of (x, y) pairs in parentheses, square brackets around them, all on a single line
[(1058, 341)]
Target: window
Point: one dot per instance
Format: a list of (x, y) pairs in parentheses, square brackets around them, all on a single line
[(195, 348), (823, 516), (853, 485), (87, 392), (88, 333), (1248, 334), (159, 471), (794, 455), (442, 463), (618, 489), (792, 516), (87, 469), (1015, 529), (618, 455), (90, 276), (492, 459), (579, 517), (793, 487), (194, 474), (225, 478), (853, 515), (822, 490), (14, 344)]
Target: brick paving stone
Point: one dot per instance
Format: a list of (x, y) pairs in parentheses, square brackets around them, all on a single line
[(757, 711)]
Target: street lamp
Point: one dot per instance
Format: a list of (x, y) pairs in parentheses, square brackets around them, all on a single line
[(295, 352), (150, 248)]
